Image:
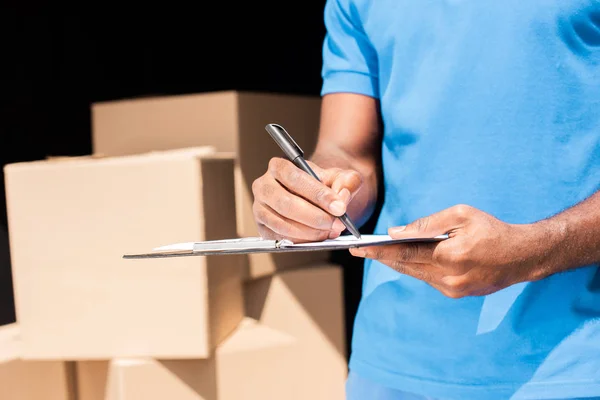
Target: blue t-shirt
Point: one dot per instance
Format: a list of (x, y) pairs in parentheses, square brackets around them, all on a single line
[(494, 104)]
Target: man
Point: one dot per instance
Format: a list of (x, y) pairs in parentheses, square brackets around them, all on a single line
[(485, 119)]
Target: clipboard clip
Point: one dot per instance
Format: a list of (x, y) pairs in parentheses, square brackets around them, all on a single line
[(240, 244)]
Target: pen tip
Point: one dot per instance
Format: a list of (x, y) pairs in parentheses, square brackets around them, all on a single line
[(355, 233)]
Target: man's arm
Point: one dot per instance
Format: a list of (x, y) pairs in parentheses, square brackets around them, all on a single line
[(291, 204), (483, 254), (349, 139), (570, 239)]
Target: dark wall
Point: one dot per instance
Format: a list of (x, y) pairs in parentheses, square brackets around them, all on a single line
[(54, 67)]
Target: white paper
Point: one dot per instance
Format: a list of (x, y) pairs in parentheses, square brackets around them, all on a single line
[(189, 246), (258, 243), (344, 240)]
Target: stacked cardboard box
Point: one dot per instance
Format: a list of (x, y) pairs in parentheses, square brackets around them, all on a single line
[(71, 221), (169, 170), (31, 380), (253, 363), (227, 121)]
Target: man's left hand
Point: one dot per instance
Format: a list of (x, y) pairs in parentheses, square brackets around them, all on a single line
[(482, 254)]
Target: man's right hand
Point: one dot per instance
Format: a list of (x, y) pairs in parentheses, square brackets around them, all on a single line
[(291, 204)]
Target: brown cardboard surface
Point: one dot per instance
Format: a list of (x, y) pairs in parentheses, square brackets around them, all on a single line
[(31, 380), (307, 304), (10, 343), (230, 121), (70, 222), (253, 363)]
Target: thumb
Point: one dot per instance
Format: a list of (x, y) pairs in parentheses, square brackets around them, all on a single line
[(348, 182), (426, 227), (338, 178)]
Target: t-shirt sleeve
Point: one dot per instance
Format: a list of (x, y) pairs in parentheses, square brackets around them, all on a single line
[(349, 59)]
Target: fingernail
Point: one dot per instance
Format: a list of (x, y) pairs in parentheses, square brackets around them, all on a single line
[(397, 229), (338, 225), (357, 252), (345, 195), (337, 207)]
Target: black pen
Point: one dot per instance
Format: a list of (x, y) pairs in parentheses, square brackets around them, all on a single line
[(295, 154)]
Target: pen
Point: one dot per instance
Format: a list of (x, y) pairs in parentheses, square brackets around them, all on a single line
[(295, 154)]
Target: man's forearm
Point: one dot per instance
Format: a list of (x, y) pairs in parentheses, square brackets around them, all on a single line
[(349, 138), (362, 205), (570, 239)]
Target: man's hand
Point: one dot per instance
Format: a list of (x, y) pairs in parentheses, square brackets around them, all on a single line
[(290, 204), (481, 256)]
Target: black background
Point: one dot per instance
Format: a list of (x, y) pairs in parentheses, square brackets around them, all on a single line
[(54, 67)]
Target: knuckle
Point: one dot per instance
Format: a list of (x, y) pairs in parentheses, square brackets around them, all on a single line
[(456, 284), (263, 190), (462, 210), (274, 164), (421, 224), (458, 258), (256, 185), (355, 177), (322, 220), (451, 294), (321, 195), (272, 167), (293, 175), (284, 204)]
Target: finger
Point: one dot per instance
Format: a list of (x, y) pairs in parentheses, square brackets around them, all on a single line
[(450, 286), (285, 228), (347, 180), (435, 224), (335, 234), (326, 175), (403, 253), (339, 179), (266, 233), (423, 272), (299, 182), (345, 195), (292, 207)]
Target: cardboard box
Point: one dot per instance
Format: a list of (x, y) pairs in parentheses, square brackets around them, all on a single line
[(231, 122), (72, 220), (307, 304), (31, 380), (256, 362)]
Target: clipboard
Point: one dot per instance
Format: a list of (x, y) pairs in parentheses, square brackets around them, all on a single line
[(258, 245)]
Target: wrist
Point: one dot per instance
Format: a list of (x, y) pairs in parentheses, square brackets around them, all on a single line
[(541, 243)]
